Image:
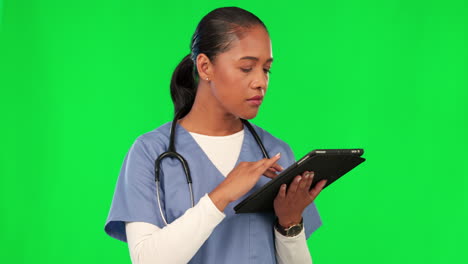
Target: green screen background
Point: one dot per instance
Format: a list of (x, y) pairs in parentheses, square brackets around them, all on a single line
[(80, 80)]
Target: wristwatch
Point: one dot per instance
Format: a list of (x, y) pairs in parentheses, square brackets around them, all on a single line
[(290, 231)]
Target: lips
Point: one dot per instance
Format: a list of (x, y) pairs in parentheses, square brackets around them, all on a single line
[(256, 100), (258, 97)]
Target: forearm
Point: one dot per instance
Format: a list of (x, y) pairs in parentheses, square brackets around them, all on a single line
[(292, 249), (151, 244)]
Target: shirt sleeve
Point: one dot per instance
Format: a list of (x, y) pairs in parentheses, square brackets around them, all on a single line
[(150, 244), (135, 193), (292, 249)]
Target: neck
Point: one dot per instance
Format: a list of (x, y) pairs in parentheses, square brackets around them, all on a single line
[(210, 118)]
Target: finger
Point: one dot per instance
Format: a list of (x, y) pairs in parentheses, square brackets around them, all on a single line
[(308, 181), (282, 192), (294, 185), (304, 181), (269, 162), (258, 164), (263, 166), (277, 167), (270, 174), (317, 189)]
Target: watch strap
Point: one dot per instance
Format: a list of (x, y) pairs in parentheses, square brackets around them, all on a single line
[(290, 231)]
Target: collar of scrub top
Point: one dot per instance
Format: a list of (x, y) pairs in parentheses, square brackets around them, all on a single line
[(171, 152)]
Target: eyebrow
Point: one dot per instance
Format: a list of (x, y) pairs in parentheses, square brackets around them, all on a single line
[(254, 58)]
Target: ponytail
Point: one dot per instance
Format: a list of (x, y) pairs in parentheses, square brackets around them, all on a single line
[(183, 87)]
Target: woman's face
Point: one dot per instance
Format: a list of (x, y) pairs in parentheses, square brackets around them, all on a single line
[(239, 76)]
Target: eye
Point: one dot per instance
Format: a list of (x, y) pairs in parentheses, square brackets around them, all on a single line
[(246, 69), (267, 71)]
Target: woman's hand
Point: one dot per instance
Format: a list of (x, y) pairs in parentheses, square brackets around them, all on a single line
[(273, 170), (241, 179), (290, 204)]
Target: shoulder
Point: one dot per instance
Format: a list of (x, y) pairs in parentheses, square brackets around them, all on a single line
[(267, 136), (159, 134), (155, 140), (274, 143)]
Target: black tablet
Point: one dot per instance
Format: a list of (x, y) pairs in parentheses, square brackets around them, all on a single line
[(329, 164)]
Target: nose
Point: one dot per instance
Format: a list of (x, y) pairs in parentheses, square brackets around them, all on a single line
[(260, 82)]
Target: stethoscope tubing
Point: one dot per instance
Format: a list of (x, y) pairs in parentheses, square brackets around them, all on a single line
[(172, 153)]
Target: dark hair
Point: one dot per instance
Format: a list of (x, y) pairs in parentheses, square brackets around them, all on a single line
[(213, 35)]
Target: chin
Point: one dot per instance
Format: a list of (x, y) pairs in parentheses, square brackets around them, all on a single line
[(248, 115)]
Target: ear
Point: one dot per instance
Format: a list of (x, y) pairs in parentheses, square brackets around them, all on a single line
[(204, 67)]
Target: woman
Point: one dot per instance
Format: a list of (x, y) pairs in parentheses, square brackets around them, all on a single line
[(218, 85)]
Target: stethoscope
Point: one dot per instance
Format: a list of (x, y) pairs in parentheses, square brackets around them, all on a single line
[(171, 152)]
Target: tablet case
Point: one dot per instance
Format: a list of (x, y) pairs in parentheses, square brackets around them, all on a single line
[(328, 164)]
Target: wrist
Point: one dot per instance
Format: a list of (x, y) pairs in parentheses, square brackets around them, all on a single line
[(290, 231), (289, 221), (219, 199)]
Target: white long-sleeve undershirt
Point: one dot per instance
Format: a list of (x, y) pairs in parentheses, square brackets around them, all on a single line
[(150, 244)]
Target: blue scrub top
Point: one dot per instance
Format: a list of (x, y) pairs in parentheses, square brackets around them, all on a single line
[(239, 238)]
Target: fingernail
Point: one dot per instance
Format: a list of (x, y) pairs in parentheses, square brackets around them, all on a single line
[(299, 179), (277, 155)]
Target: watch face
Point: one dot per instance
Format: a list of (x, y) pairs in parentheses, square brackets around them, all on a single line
[(294, 230)]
